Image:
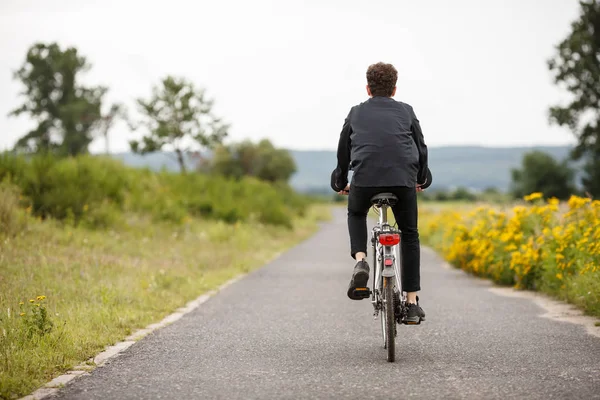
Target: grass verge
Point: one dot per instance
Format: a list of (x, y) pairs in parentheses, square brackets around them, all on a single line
[(67, 292)]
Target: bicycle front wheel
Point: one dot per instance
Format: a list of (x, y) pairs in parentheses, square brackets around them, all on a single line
[(390, 318)]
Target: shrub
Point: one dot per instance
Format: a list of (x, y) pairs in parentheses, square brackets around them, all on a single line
[(12, 219), (66, 188), (542, 246), (94, 190)]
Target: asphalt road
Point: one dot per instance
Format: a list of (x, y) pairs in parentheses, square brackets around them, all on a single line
[(288, 331)]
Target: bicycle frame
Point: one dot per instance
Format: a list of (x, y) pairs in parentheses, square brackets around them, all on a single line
[(382, 253)]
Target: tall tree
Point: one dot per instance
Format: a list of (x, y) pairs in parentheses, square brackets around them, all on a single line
[(177, 118), (66, 112), (577, 67), (540, 172)]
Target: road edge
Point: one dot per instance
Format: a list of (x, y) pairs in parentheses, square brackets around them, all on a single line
[(110, 352), (556, 310)]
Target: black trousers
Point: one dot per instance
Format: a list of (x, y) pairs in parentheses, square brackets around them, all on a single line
[(406, 214)]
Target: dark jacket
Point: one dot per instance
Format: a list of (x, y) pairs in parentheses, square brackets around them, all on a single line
[(383, 144)]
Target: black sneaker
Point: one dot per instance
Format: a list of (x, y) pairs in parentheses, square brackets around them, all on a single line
[(358, 290), (414, 314)]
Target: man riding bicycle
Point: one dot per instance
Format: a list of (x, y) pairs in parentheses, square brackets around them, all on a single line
[(382, 142)]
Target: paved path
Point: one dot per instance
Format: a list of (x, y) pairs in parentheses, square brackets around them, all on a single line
[(288, 331)]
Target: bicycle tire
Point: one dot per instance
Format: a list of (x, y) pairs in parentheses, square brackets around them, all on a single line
[(390, 320)]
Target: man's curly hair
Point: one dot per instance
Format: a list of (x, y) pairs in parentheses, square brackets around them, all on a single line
[(381, 78)]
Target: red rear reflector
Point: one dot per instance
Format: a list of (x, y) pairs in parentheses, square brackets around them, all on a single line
[(388, 262), (389, 239)]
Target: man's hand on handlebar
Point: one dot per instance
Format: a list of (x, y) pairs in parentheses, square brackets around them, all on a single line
[(345, 190)]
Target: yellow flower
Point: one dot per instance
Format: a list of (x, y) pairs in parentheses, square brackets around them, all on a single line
[(31, 300), (553, 201), (21, 303), (22, 314), (576, 202), (41, 297), (533, 196), (559, 276)]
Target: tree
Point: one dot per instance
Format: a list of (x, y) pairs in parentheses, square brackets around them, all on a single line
[(577, 67), (540, 172), (115, 112), (66, 112), (178, 116), (463, 194), (591, 178), (274, 164), (261, 160)]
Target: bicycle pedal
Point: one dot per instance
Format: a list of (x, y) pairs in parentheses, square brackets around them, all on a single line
[(362, 293)]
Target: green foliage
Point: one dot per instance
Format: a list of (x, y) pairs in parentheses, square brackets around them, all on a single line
[(35, 318), (463, 194), (68, 188), (12, 219), (176, 196), (577, 68), (441, 196), (542, 173), (177, 116), (591, 177), (95, 191), (261, 160), (65, 111), (460, 194), (584, 291), (493, 195)]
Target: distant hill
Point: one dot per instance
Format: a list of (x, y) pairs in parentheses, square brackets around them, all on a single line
[(469, 166)]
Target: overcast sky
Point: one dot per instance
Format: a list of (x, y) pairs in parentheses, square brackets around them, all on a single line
[(475, 71)]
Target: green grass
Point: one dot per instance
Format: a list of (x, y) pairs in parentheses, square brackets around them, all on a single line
[(583, 291), (100, 286)]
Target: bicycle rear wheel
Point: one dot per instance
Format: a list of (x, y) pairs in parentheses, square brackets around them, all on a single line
[(390, 319)]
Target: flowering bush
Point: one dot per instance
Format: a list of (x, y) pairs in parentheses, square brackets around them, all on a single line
[(35, 317), (544, 246)]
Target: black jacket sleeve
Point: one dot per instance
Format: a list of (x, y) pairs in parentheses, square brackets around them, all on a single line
[(422, 148), (339, 176)]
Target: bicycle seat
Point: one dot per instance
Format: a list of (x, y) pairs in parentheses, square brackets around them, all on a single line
[(384, 198)]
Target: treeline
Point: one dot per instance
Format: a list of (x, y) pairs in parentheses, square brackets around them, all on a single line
[(50, 174), (539, 173), (177, 118)]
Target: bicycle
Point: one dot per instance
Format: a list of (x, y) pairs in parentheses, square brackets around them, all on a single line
[(389, 302)]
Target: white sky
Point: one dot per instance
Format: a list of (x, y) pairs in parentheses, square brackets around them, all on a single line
[(475, 71)]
